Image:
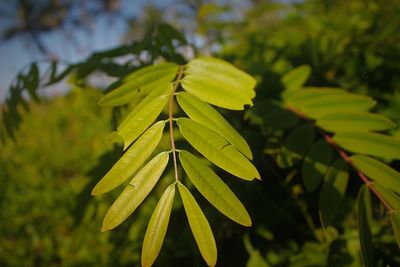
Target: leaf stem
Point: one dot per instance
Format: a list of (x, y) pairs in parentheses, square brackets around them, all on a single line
[(171, 119), (345, 157)]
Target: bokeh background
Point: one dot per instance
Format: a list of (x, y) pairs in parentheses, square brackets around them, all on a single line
[(59, 151)]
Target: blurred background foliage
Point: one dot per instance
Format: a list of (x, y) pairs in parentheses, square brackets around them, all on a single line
[(59, 151)]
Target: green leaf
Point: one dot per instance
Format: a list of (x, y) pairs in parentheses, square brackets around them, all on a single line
[(296, 78), (136, 191), (219, 83), (354, 121), (392, 198), (133, 158), (162, 90), (138, 120), (297, 143), (226, 73), (217, 149), (214, 189), (157, 227), (333, 190), (369, 143), (316, 164), (378, 171), (256, 260), (299, 98), (140, 82), (206, 115), (395, 220), (324, 105), (200, 227), (364, 226)]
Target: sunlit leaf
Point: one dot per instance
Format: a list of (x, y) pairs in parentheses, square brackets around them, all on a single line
[(157, 227), (378, 171), (217, 149), (139, 120), (136, 191), (395, 220), (140, 82), (206, 115), (218, 83), (200, 227), (316, 164), (364, 226), (369, 143), (133, 158), (214, 189), (296, 78), (354, 121), (333, 190)]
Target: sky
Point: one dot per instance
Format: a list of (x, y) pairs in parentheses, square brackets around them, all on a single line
[(71, 44)]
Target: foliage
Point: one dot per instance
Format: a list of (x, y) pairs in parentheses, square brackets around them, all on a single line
[(324, 138), (203, 80)]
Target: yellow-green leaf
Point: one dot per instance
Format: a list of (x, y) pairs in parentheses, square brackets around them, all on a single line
[(200, 227), (217, 149), (214, 189), (324, 105), (378, 171), (203, 113), (133, 158), (369, 143), (140, 82), (296, 78), (395, 220), (219, 83), (299, 98), (227, 73), (136, 191), (364, 226), (164, 89), (354, 121), (333, 190), (138, 121), (157, 228), (316, 164)]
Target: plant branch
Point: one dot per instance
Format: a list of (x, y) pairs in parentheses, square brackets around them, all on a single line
[(170, 118), (345, 157)]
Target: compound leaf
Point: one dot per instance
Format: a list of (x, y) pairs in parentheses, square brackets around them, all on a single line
[(378, 171), (369, 143), (133, 158), (200, 227), (136, 191), (217, 149), (157, 227), (206, 115), (214, 189)]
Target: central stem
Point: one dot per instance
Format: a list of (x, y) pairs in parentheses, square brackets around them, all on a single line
[(170, 118)]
